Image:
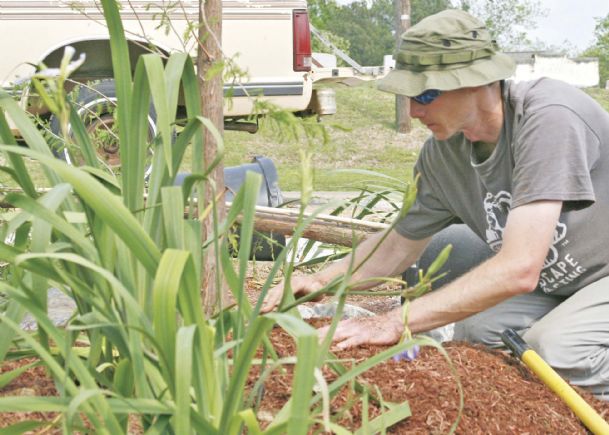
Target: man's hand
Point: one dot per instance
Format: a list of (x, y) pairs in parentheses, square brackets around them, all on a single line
[(384, 330), (301, 286)]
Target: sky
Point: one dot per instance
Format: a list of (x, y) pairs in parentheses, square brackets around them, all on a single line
[(571, 20)]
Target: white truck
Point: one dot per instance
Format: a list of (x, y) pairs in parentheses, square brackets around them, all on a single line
[(269, 39)]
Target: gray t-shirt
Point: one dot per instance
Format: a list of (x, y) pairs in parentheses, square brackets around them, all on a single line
[(554, 145)]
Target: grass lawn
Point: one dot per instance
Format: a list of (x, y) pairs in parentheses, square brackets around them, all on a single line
[(361, 136)]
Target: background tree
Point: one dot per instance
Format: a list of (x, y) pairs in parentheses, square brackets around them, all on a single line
[(364, 29), (423, 8), (508, 20), (321, 13), (600, 48), (369, 30)]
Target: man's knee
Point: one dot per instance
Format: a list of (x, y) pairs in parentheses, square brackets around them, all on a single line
[(550, 344), (569, 354), (479, 329), (583, 364)]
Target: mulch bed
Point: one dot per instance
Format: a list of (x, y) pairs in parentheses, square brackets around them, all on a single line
[(501, 395), (33, 382)]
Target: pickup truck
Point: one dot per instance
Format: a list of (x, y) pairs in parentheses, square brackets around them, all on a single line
[(269, 39)]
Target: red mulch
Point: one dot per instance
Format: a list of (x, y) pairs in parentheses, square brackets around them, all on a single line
[(33, 382), (501, 395)]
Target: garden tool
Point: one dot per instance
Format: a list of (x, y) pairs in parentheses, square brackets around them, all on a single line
[(589, 417)]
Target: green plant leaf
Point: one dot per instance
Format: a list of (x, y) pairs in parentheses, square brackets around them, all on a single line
[(183, 375), (41, 212), (121, 65), (7, 377), (233, 399), (135, 155), (123, 380), (22, 427), (388, 418), (158, 90), (30, 134), (173, 217), (302, 386)]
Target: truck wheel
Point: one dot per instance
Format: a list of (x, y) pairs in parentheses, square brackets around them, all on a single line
[(96, 105)]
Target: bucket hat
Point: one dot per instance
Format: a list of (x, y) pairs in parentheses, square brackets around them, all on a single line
[(446, 51)]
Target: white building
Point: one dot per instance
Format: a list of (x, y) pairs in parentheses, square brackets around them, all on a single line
[(582, 72)]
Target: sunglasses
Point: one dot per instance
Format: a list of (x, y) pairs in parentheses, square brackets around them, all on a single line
[(427, 97)]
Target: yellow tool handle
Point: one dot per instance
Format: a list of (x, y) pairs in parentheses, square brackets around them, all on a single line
[(589, 417)]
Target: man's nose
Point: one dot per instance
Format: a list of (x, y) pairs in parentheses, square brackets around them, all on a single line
[(416, 110)]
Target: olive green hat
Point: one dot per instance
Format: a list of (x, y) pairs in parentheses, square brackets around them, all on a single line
[(446, 51)]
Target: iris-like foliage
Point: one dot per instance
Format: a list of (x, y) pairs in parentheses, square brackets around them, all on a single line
[(121, 248)]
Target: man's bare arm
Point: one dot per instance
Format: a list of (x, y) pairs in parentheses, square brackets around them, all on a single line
[(514, 270), (394, 254)]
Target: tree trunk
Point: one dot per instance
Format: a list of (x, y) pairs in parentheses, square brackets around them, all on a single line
[(402, 103), (212, 99)]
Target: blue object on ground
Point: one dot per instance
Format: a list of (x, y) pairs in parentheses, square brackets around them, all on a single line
[(408, 354)]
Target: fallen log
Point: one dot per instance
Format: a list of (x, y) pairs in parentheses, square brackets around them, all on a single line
[(324, 228)]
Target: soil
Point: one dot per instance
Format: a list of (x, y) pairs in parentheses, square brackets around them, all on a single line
[(500, 394)]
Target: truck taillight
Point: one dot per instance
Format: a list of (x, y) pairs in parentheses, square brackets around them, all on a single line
[(302, 40)]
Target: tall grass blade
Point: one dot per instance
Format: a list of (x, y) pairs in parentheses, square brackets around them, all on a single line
[(232, 401), (39, 404), (15, 313), (35, 208), (135, 155), (173, 217), (388, 418), (302, 385), (121, 65), (28, 426), (7, 377), (183, 364), (165, 293), (156, 78)]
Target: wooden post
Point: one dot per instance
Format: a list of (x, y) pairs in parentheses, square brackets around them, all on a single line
[(212, 100), (402, 103)]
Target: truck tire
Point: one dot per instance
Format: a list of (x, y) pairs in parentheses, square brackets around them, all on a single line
[(96, 106)]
